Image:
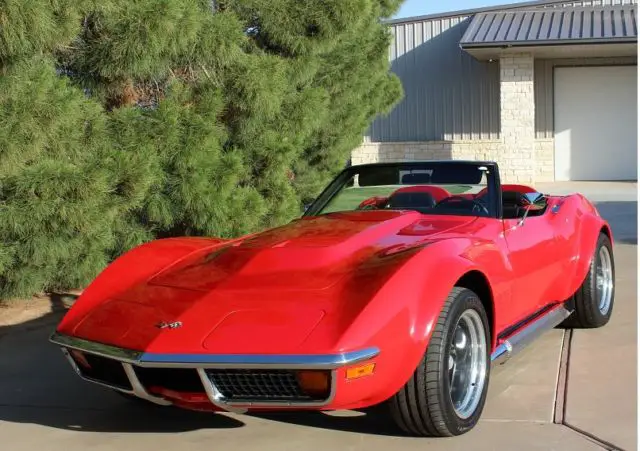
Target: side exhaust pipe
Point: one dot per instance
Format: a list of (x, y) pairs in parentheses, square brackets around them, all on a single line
[(521, 339)]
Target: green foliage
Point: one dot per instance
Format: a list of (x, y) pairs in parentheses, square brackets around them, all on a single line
[(136, 38), (54, 191), (122, 121), (28, 27)]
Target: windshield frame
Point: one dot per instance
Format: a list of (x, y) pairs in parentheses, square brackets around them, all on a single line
[(494, 201)]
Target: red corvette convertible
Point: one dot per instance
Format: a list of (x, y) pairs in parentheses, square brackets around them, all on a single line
[(401, 284)]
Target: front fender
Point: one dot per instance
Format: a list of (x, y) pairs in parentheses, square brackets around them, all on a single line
[(588, 224), (401, 317), (134, 267)]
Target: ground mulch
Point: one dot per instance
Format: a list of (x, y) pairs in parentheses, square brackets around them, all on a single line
[(18, 311)]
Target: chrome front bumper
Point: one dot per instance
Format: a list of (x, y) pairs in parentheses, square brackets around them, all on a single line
[(201, 362)]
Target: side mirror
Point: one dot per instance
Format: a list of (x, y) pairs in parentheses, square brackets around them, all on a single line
[(532, 201)]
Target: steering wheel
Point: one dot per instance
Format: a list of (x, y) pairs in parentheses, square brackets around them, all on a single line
[(477, 205)]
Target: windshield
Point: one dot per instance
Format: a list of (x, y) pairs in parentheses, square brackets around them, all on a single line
[(442, 188)]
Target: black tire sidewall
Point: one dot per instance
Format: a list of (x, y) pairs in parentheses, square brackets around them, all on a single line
[(464, 301), (593, 302)]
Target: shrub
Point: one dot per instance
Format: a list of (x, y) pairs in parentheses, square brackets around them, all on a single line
[(124, 121)]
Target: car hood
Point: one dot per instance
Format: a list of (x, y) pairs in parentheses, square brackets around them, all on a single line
[(266, 293), (311, 253)]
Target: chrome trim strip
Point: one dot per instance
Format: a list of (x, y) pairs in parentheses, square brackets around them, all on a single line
[(88, 379), (139, 390), (522, 338), (72, 362), (201, 362), (102, 350), (502, 353), (248, 361), (214, 394)]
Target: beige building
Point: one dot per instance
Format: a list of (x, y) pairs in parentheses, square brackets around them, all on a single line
[(547, 89)]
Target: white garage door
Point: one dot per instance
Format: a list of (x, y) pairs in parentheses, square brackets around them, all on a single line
[(595, 110)]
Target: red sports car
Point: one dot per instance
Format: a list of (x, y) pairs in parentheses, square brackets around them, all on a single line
[(401, 284)]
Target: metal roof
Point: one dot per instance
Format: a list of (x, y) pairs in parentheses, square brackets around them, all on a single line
[(510, 6), (607, 24)]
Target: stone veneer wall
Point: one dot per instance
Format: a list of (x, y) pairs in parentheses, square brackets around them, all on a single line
[(488, 150), (432, 150), (544, 152), (518, 117)]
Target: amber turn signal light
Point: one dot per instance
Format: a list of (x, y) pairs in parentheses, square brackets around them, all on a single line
[(360, 371), (314, 383)]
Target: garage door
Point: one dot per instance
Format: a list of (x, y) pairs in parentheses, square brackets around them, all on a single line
[(595, 111)]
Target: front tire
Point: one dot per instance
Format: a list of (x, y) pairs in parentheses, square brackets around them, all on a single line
[(447, 392), (593, 301)]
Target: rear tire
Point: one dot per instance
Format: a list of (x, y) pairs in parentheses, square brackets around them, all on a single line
[(593, 302), (447, 392)]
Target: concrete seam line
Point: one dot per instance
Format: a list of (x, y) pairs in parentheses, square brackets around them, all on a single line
[(559, 401), (592, 438), (562, 390)]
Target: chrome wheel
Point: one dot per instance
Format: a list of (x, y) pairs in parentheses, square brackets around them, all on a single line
[(446, 394), (604, 280), (467, 363)]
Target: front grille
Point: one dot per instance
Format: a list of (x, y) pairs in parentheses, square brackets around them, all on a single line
[(102, 369), (176, 379), (259, 385)]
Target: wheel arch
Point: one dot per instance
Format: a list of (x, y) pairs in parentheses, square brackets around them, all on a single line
[(591, 227), (476, 281), (403, 329), (606, 230)]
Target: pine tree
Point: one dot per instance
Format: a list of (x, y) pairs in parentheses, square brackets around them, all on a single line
[(56, 207), (123, 121)]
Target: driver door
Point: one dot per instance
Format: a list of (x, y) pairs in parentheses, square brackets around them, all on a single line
[(535, 266)]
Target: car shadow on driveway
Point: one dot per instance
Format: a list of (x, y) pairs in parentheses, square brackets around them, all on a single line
[(38, 386), (122, 418), (374, 420)]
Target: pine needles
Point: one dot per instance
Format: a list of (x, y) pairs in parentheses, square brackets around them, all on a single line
[(122, 121)]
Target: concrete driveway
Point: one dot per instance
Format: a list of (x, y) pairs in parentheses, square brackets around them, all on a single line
[(571, 390)]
